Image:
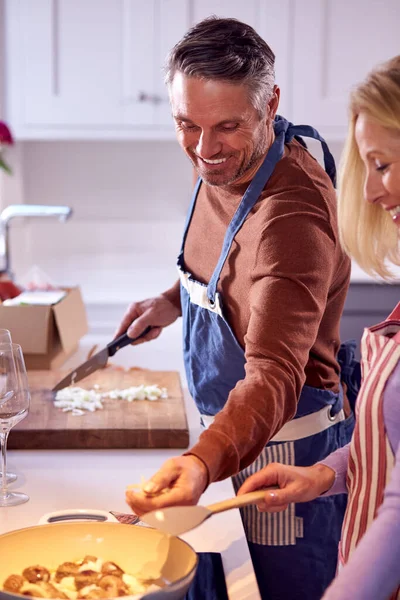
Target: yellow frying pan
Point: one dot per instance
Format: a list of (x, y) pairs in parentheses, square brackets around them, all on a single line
[(134, 548)]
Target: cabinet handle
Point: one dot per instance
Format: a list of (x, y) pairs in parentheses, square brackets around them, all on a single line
[(152, 98)]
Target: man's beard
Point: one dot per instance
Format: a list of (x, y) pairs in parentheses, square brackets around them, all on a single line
[(258, 153)]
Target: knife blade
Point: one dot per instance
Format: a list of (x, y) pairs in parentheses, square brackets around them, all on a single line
[(98, 361)]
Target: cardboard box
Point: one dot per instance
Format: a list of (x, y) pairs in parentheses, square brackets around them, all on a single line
[(48, 335)]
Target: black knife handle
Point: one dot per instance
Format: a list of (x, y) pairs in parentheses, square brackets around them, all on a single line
[(124, 340)]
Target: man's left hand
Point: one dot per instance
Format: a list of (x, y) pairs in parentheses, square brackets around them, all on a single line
[(180, 481)]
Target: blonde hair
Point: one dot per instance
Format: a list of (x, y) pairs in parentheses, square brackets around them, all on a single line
[(366, 231)]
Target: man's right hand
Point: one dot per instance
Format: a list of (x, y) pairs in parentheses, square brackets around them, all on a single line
[(157, 312)]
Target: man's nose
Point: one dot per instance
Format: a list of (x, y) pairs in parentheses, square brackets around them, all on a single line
[(208, 145), (374, 190)]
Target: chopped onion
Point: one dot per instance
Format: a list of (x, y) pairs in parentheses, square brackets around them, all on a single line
[(140, 392), (78, 400)]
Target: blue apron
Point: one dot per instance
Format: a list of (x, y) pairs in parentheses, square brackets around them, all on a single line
[(294, 553)]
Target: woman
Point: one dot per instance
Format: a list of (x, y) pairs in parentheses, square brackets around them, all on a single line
[(368, 469)]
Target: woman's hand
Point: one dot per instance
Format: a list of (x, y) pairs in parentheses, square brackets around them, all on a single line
[(296, 484), (180, 481)]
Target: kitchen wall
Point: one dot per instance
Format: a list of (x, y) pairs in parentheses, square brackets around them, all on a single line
[(129, 202)]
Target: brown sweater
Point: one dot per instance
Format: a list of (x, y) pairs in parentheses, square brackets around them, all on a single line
[(283, 288)]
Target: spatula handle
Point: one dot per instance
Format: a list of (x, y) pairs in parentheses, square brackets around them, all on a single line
[(124, 340), (238, 501)]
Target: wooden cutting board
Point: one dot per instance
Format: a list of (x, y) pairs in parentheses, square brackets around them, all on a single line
[(121, 424)]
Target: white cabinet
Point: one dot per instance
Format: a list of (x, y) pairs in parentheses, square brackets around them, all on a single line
[(90, 68), (271, 19), (335, 44)]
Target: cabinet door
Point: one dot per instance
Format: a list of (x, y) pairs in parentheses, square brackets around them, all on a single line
[(90, 65), (151, 29), (336, 43), (270, 18)]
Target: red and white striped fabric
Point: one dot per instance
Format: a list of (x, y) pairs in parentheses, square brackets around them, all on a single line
[(371, 457)]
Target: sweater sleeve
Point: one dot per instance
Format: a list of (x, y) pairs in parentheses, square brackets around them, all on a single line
[(288, 296), (337, 461)]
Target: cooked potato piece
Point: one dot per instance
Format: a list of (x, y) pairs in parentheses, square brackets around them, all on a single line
[(110, 568), (66, 570), (36, 573), (13, 583), (114, 586), (85, 578)]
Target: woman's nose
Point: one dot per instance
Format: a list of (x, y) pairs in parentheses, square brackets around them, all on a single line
[(374, 190)]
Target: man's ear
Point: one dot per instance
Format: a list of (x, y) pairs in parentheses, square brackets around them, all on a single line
[(273, 103)]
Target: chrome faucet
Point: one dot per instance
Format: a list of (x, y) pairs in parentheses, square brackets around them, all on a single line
[(24, 210)]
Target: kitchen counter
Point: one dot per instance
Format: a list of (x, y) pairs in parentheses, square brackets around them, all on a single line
[(97, 479)]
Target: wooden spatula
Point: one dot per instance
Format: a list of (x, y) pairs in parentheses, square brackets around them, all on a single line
[(176, 520)]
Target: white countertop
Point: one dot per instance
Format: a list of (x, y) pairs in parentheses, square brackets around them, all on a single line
[(96, 479)]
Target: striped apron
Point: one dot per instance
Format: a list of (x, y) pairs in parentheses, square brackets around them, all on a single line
[(282, 545), (371, 457)]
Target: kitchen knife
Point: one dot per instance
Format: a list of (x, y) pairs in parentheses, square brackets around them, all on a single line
[(99, 360)]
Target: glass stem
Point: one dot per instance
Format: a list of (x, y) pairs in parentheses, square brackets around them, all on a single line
[(3, 443)]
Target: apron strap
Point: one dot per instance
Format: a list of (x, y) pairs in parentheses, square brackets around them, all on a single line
[(308, 131), (395, 314), (284, 133), (190, 214), (249, 199)]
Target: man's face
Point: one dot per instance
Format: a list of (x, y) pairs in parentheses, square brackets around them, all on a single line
[(219, 129)]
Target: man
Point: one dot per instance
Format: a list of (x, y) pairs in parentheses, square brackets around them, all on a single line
[(262, 286)]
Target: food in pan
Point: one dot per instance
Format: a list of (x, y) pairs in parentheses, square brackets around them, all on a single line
[(90, 577)]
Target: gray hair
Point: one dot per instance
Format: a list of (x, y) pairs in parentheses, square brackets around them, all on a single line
[(225, 50)]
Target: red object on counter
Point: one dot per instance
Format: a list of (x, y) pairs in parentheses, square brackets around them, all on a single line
[(8, 290), (5, 134)]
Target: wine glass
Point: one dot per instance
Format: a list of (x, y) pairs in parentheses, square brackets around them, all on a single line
[(5, 338), (14, 406)]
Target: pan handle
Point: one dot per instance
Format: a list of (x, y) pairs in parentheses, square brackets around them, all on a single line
[(124, 340), (77, 514)]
